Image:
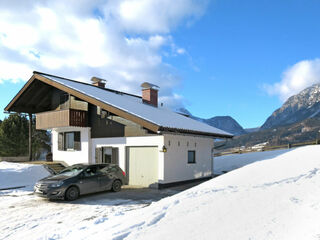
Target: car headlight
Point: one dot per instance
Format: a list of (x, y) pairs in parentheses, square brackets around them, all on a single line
[(58, 184)]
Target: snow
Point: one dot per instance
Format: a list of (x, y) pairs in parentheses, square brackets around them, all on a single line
[(160, 116), (230, 162), (14, 175), (275, 198)]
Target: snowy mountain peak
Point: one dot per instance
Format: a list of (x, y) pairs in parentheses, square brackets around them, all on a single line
[(303, 105)]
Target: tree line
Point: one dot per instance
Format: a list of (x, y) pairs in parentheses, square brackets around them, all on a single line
[(14, 135)]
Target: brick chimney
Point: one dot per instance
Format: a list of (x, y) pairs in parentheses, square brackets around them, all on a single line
[(150, 94), (99, 82)]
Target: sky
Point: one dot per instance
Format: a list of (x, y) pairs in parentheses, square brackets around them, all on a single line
[(215, 58)]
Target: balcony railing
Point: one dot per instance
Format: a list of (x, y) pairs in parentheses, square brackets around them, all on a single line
[(62, 118)]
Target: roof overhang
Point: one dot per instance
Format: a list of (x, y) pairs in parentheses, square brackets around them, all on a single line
[(186, 131)]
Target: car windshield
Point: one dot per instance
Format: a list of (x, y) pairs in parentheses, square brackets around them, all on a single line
[(71, 171)]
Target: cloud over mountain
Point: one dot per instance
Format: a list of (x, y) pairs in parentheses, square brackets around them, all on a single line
[(296, 78)]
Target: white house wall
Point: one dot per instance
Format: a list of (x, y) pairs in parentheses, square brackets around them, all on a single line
[(123, 142), (176, 166), (72, 157), (173, 165)]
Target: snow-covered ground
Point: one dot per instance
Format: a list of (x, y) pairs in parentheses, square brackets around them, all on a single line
[(274, 199), (230, 162), (21, 175)]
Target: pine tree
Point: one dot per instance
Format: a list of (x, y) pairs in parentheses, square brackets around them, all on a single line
[(14, 137)]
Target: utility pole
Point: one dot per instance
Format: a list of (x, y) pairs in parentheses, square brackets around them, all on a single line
[(30, 136)]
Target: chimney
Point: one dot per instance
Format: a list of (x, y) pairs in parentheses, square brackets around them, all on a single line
[(150, 93), (99, 82)]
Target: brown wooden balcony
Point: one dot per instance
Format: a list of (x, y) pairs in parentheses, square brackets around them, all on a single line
[(62, 118)]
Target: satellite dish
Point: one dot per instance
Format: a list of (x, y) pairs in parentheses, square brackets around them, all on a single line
[(147, 85)]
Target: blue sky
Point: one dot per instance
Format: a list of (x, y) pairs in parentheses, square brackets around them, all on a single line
[(230, 57)]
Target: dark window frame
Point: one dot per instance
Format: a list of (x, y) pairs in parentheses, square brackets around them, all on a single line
[(62, 141), (192, 161)]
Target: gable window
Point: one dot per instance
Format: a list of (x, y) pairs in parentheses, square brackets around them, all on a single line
[(69, 141), (191, 156)]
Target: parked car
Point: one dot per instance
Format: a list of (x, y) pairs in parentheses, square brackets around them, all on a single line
[(81, 179)]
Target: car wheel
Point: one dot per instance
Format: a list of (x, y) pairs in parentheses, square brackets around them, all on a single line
[(72, 193), (116, 185)]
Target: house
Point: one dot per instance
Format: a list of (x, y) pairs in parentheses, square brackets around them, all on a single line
[(93, 124)]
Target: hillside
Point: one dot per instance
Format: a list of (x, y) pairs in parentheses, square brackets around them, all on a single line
[(306, 130), (299, 107), (225, 123)]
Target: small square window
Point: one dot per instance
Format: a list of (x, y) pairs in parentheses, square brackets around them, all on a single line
[(191, 156)]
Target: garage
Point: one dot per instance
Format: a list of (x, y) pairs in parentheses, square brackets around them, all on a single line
[(142, 163)]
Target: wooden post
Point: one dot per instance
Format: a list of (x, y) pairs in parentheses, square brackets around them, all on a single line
[(30, 136)]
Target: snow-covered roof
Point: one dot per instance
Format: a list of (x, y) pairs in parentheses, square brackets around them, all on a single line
[(160, 116)]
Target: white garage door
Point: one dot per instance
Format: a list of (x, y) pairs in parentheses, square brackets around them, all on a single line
[(143, 166)]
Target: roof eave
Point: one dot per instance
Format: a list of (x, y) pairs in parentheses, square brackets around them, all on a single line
[(186, 131)]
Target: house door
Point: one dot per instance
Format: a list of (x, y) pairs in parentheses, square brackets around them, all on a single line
[(107, 155), (143, 166)]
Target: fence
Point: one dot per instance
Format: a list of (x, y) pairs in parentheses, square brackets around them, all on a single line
[(266, 148), (14, 159)]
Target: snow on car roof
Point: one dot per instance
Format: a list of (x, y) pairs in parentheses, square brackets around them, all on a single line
[(160, 116)]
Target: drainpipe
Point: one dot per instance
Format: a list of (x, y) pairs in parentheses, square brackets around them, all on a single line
[(30, 136)]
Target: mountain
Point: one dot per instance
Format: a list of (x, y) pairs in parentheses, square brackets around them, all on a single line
[(251, 130), (225, 123), (303, 131), (297, 108)]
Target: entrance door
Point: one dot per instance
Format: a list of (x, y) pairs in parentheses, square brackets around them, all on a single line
[(143, 166)]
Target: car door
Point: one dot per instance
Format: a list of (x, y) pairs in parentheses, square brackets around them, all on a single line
[(106, 178), (89, 180)]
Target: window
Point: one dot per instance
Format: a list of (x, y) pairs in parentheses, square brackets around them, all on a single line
[(107, 155), (191, 156), (91, 171), (69, 141)]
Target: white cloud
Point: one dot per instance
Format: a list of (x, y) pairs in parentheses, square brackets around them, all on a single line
[(154, 16), (181, 51), (121, 41), (296, 78)]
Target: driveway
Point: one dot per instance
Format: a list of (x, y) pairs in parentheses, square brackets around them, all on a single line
[(26, 216)]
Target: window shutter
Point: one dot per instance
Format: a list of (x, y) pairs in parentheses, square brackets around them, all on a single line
[(97, 155), (60, 141), (77, 141)]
